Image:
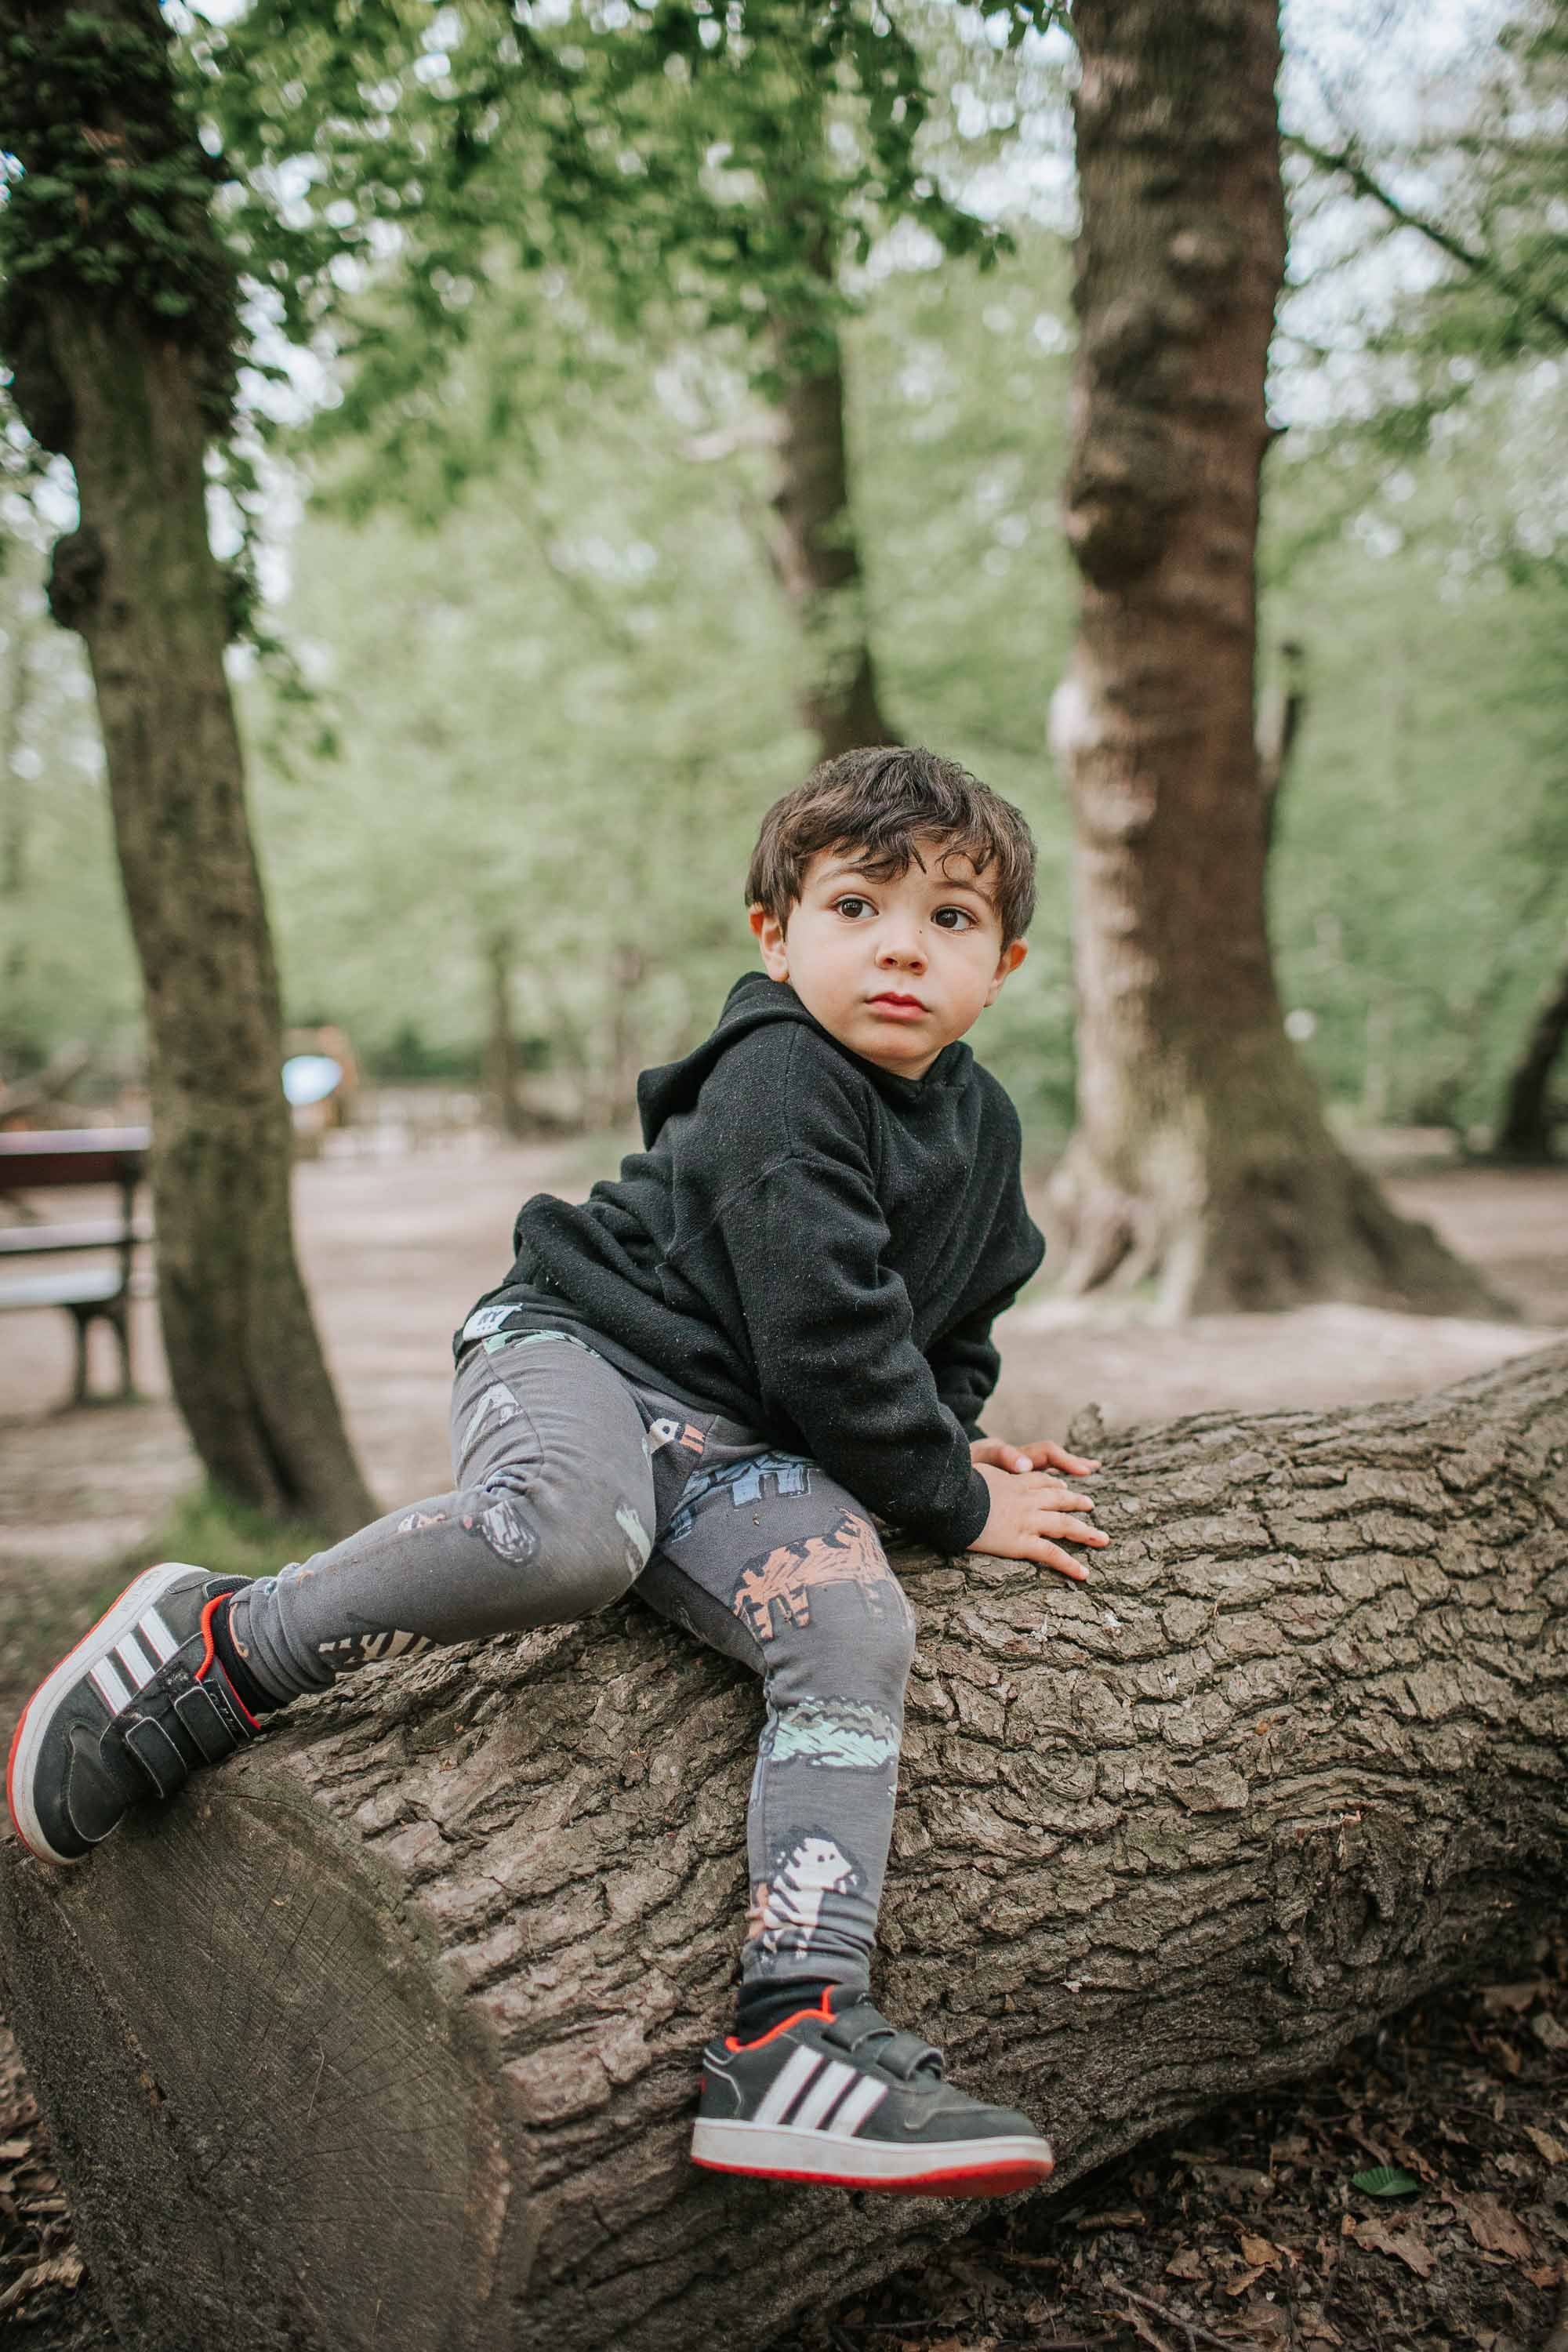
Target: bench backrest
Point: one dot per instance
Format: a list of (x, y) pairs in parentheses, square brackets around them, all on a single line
[(73, 1155)]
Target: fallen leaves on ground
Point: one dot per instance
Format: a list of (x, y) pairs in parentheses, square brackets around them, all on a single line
[(1493, 2230), (1398, 2242), (1246, 2233)]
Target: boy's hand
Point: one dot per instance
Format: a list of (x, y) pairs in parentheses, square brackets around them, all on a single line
[(1041, 1455), (1029, 1508)]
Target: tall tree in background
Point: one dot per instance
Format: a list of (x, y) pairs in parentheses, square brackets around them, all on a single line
[(1525, 1129), (18, 686), (119, 322), (816, 554), (1200, 1156)]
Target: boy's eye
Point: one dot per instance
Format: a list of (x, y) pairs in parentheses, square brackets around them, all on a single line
[(965, 919), (849, 904)]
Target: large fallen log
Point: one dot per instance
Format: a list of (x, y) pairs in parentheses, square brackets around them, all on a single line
[(383, 2038)]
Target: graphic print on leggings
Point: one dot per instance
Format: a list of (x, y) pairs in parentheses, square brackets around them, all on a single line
[(366, 1649), (791, 1474), (787, 1904), (781, 1581), (501, 1521), (844, 1735)]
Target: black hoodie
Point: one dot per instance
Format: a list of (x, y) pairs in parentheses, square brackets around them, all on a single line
[(810, 1244)]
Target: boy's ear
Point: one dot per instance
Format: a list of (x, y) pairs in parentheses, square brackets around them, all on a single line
[(1012, 955), (770, 935)]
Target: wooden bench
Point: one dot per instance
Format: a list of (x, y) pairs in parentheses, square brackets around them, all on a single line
[(78, 1156)]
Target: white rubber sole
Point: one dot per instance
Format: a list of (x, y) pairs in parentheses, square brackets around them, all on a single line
[(956, 2168), (31, 1730)]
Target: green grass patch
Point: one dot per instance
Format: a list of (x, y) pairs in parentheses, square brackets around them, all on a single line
[(227, 1537)]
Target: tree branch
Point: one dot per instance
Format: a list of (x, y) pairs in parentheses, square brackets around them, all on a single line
[(1484, 265)]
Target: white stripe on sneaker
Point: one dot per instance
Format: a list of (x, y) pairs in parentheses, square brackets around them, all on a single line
[(862, 2101), (159, 1641), (134, 1660), (108, 1686), (787, 2087), (131, 1611), (961, 2168), (833, 2080)]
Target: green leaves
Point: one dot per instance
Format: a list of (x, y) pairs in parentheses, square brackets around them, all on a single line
[(109, 190), (1386, 2180)]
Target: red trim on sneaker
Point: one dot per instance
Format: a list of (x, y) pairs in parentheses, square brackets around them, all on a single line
[(969, 2180), (821, 2009), (210, 1654)]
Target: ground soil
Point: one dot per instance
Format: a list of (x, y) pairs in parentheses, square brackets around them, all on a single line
[(1248, 2229)]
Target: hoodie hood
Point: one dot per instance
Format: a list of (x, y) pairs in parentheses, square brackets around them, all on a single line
[(753, 1001), (673, 1086)]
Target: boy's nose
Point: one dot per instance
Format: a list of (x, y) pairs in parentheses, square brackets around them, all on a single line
[(906, 951)]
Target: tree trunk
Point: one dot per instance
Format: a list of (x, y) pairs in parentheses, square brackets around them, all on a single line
[(500, 1045), (1276, 732), (819, 565), (1202, 1157), (1526, 1129), (386, 2034), (813, 543), (132, 401), (14, 808)]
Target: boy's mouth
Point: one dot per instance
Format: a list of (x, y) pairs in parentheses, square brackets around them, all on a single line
[(897, 1003)]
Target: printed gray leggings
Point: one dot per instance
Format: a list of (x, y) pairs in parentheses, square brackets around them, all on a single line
[(574, 1483)]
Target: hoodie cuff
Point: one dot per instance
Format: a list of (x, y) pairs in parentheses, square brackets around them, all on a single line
[(951, 1532)]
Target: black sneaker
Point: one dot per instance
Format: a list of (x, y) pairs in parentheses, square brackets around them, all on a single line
[(139, 1702), (838, 2095)]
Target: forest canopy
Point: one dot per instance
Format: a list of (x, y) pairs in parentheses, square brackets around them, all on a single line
[(534, 685)]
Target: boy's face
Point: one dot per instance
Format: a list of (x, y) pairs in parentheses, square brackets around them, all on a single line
[(894, 969)]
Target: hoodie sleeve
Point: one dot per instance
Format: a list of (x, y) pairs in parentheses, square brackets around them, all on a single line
[(966, 1365), (965, 1361), (830, 1328)]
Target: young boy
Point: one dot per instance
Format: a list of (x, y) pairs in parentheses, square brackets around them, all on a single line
[(702, 1383)]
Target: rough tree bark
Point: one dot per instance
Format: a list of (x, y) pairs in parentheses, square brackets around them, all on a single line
[(1200, 1156), (1525, 1129), (385, 2033), (131, 380)]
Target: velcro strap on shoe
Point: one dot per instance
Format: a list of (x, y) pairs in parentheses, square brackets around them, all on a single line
[(211, 1721), (156, 1753), (906, 2055), (863, 2031)]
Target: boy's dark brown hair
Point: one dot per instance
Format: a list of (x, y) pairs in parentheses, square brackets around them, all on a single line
[(880, 801)]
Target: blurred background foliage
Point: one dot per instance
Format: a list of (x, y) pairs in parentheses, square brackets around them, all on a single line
[(539, 685)]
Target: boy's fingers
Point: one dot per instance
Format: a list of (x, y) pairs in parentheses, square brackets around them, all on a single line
[(1051, 1558), (1048, 1488), (1058, 1523)]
